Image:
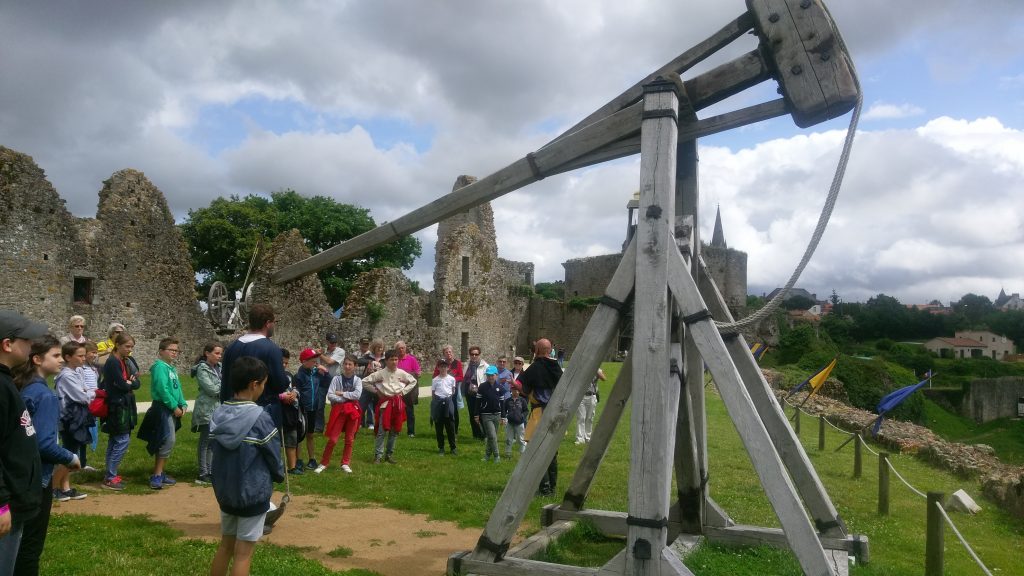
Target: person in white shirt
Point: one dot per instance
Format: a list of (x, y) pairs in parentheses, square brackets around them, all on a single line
[(442, 406), (389, 384), (344, 393), (332, 356)]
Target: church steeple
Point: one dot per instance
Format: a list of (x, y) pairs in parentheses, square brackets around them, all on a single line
[(718, 237)]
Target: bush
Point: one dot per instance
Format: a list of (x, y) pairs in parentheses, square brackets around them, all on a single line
[(867, 381)]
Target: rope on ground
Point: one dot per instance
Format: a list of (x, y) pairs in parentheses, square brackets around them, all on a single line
[(864, 443), (962, 540), (904, 480)]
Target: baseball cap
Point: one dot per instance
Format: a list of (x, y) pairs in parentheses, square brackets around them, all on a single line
[(14, 325), (332, 337), (491, 370), (364, 340), (307, 354)]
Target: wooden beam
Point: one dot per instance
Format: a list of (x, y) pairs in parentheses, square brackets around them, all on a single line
[(744, 535), (728, 79), (778, 486), (813, 68), (600, 440), (461, 564), (512, 177), (539, 541), (655, 401), (826, 518), (508, 512)]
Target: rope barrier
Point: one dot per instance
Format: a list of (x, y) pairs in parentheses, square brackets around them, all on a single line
[(838, 428), (962, 539), (904, 480), (864, 443)]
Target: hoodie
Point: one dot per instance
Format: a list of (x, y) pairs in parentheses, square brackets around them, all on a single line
[(246, 458), (540, 379)]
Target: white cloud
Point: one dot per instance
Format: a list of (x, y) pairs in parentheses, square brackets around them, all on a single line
[(885, 111)]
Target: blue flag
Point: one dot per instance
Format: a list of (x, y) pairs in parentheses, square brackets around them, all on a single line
[(894, 398), (758, 349)]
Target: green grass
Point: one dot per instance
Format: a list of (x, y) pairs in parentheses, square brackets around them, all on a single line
[(340, 552), (87, 545), (1005, 435), (897, 541)]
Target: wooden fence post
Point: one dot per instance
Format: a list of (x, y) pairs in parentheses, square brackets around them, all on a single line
[(821, 432), (858, 456), (797, 423), (883, 483), (934, 533)]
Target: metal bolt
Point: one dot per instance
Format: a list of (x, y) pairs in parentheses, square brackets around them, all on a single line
[(805, 4), (653, 211), (773, 18), (796, 70), (825, 56)]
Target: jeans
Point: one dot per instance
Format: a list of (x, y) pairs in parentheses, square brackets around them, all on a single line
[(205, 451), (379, 442), (9, 545), (168, 444), (514, 435), (489, 422), (368, 404), (33, 538), (585, 418), (117, 447)]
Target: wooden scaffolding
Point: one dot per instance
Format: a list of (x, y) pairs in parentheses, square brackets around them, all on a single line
[(674, 334)]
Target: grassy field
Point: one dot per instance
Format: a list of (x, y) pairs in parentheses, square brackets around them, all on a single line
[(472, 488), (1005, 435)]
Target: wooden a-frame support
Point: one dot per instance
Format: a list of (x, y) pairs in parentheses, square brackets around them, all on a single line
[(673, 332)]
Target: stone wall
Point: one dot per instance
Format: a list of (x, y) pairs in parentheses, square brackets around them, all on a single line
[(728, 267), (991, 398), (130, 264), (585, 277), (562, 324)]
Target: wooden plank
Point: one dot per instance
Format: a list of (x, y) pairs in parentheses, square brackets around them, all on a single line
[(715, 515), (678, 65), (805, 478), (462, 564), (769, 467), (609, 523), (655, 402), (508, 179), (538, 542), (600, 440), (813, 67), (726, 80), (745, 535), (515, 499)]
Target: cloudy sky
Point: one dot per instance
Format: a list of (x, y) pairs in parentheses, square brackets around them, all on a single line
[(384, 103)]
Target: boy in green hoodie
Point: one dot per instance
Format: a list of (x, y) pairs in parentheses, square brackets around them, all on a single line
[(169, 400)]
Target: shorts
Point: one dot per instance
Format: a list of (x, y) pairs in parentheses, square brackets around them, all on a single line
[(315, 421), (291, 437), (244, 528)]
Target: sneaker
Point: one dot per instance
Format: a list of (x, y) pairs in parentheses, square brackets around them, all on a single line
[(156, 482), (312, 465), (168, 481), (455, 452), (60, 495), (114, 483), (440, 452), (88, 469), (203, 481), (370, 427), (320, 469), (412, 435), (346, 468), (377, 460), (75, 494), (497, 459), (390, 459), (297, 471)]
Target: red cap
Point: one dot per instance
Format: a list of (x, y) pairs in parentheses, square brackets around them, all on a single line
[(307, 354)]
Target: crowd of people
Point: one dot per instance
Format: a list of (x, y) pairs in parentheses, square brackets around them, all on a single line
[(252, 416)]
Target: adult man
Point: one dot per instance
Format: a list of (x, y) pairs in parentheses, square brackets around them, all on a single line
[(332, 356), (409, 363), (472, 379), (258, 344), (20, 467), (505, 378), (539, 381), (587, 409)]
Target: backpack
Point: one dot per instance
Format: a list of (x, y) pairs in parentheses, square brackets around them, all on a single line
[(98, 406)]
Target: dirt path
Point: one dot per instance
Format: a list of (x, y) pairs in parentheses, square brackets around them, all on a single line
[(385, 541)]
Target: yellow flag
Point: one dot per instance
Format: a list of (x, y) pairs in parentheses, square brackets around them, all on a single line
[(818, 380)]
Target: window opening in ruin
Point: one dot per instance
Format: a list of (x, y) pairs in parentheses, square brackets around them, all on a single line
[(465, 270), (529, 278), (46, 257), (464, 347), (81, 292)]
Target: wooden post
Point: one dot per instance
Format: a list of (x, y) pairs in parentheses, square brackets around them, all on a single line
[(821, 432), (934, 535), (858, 456), (883, 484), (796, 422), (655, 401)]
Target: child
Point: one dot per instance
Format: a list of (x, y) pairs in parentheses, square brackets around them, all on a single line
[(389, 384), (312, 381), (75, 418), (293, 420), (489, 411), (246, 463), (164, 414), (207, 375), (19, 454), (44, 408), (442, 406), (516, 411), (120, 380), (344, 393), (91, 382)]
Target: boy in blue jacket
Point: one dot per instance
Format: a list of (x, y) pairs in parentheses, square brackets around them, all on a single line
[(246, 463)]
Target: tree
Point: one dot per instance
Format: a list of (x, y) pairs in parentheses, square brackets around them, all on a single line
[(798, 303), (550, 290), (223, 236), (972, 308)]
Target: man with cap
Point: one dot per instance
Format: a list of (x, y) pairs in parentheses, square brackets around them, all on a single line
[(20, 467), (333, 355)]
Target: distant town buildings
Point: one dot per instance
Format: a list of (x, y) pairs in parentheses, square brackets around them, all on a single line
[(972, 344)]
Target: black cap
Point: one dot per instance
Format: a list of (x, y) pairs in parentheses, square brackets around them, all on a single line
[(364, 340), (14, 325), (332, 337)]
